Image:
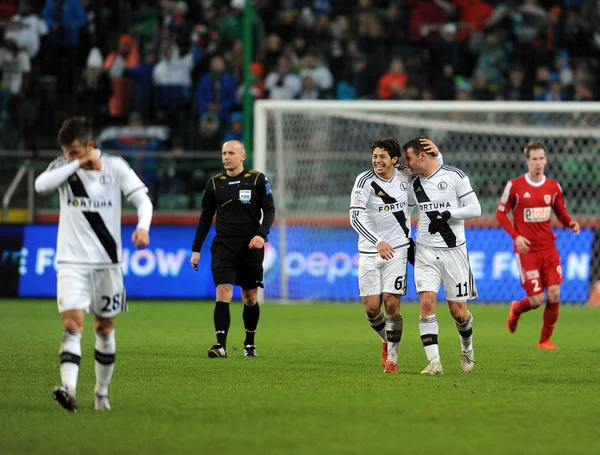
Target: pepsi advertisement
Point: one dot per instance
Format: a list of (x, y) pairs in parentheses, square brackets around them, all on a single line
[(321, 264)]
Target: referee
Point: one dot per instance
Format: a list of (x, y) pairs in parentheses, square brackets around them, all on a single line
[(239, 197)]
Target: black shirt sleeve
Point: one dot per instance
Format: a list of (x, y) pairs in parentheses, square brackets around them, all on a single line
[(209, 207), (267, 204)]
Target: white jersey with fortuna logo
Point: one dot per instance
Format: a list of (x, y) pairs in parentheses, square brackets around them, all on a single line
[(441, 191), (89, 226), (379, 210)]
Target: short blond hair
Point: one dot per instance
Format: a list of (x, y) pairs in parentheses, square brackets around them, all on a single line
[(533, 145)]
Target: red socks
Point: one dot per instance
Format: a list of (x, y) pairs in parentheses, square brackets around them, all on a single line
[(550, 317), (522, 306)]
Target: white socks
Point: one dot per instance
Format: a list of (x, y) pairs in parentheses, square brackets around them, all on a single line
[(106, 347), (70, 357), (428, 327)]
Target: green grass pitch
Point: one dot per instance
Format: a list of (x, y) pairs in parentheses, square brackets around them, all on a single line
[(317, 387)]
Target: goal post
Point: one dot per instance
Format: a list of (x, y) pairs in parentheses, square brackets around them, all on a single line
[(312, 151)]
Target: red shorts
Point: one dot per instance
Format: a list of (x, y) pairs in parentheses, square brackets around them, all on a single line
[(539, 269)]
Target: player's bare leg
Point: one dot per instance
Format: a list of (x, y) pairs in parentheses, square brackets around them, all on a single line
[(251, 315), (463, 319), (70, 358), (428, 327), (550, 317), (105, 350), (376, 318), (222, 320), (393, 328)]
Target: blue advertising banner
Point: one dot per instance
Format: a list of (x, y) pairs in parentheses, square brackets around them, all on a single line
[(321, 264)]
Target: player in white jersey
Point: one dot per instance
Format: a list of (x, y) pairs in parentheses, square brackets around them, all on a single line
[(89, 275), (379, 214), (444, 198)]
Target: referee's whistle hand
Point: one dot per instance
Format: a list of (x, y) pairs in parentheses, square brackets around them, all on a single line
[(194, 260), (256, 243)]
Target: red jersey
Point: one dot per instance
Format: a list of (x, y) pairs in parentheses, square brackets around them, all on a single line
[(532, 204)]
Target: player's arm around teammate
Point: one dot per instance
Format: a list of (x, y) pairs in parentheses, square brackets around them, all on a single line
[(378, 215), (444, 199), (239, 197)]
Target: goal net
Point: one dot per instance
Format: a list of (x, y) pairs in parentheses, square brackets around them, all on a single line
[(312, 151)]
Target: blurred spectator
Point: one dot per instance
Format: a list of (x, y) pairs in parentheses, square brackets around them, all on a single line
[(320, 74), (64, 18), (482, 89), (125, 56), (235, 128), (516, 89), (209, 137), (94, 32), (444, 83), (281, 83), (270, 52), (173, 85), (15, 67), (257, 87), (554, 91), (391, 85), (8, 8), (232, 26), (234, 59), (473, 16), (27, 29), (216, 91), (310, 90), (493, 61), (93, 90), (143, 92)]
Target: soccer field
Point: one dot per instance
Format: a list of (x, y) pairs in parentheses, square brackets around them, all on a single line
[(317, 387)]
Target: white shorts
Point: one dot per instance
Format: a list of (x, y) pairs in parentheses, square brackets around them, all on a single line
[(450, 267), (97, 291), (376, 275)]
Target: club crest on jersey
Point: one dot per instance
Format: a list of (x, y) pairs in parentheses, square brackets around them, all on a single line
[(404, 186), (442, 186), (105, 179), (547, 198), (245, 196)]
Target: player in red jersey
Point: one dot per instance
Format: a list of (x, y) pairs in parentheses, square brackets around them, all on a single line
[(532, 197)]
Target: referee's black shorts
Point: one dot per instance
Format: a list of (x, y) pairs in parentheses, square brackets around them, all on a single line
[(234, 263)]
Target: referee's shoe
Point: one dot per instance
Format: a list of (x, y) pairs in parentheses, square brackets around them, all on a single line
[(217, 350)]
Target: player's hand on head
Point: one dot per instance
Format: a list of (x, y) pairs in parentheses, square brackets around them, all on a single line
[(194, 260), (140, 238), (385, 250), (522, 244), (429, 147), (574, 226), (256, 243)]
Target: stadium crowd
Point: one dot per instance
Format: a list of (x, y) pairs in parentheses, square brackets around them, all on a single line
[(180, 63)]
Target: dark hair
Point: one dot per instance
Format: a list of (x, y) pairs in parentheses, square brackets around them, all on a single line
[(389, 144), (414, 144), (533, 145), (75, 129)]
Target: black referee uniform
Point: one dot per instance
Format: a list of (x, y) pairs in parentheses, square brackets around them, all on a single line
[(238, 202)]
